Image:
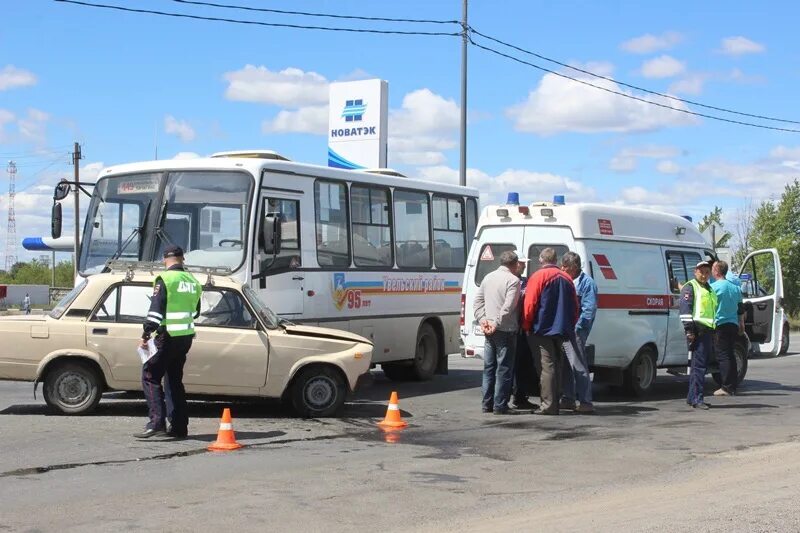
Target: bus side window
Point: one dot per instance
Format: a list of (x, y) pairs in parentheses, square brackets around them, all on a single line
[(449, 249), (412, 229)]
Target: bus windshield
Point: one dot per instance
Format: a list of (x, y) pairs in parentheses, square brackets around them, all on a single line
[(137, 216)]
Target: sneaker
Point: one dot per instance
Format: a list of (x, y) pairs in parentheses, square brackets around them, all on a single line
[(148, 433), (569, 405), (523, 403), (585, 408), (722, 392), (702, 406), (506, 412), (551, 412)]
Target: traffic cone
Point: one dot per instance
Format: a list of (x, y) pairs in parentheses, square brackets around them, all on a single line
[(226, 440), (393, 418)]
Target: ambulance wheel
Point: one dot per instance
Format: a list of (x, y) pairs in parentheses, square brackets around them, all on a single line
[(785, 340), (740, 354), (640, 376), (72, 388)]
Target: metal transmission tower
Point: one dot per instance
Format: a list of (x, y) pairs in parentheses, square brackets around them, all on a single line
[(11, 233)]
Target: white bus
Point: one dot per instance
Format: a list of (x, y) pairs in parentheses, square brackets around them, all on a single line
[(372, 252)]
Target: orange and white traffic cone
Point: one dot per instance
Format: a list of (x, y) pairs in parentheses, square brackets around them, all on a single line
[(226, 440), (393, 419)]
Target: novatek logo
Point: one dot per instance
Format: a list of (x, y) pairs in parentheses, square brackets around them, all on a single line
[(354, 110)]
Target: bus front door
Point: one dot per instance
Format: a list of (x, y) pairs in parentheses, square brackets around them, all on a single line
[(279, 275)]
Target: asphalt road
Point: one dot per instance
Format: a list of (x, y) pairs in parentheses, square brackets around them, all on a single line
[(636, 465)]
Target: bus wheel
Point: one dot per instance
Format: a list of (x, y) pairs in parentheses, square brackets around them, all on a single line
[(640, 376), (426, 356)]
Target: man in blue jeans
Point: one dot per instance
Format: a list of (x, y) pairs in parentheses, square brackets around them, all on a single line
[(496, 311), (576, 381)]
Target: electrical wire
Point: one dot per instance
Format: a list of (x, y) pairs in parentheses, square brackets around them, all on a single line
[(253, 22), (630, 96), (630, 85), (309, 14)]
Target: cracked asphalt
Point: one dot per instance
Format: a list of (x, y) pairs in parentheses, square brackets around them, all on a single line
[(636, 465)]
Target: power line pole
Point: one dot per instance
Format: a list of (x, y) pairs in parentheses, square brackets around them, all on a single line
[(76, 163), (11, 233), (462, 171)]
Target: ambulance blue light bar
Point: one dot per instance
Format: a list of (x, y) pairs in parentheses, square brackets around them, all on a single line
[(513, 198)]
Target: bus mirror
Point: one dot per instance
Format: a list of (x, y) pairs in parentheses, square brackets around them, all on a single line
[(272, 233), (55, 221), (61, 191)]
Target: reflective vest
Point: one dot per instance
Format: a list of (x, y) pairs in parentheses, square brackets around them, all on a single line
[(705, 305), (183, 293)]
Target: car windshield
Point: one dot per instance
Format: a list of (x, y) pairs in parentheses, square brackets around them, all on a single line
[(66, 301), (136, 216), (267, 315)]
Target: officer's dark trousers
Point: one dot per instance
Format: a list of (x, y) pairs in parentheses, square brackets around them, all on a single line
[(725, 343), (167, 364), (701, 349)]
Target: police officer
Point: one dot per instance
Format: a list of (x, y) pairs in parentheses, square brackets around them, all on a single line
[(698, 306), (174, 305)]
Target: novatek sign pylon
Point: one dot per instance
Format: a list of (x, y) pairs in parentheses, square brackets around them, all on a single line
[(11, 234)]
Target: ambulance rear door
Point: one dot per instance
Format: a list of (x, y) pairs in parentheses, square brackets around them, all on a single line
[(762, 289)]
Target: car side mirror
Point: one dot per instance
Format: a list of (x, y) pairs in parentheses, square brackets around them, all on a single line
[(61, 191), (55, 221), (271, 233)]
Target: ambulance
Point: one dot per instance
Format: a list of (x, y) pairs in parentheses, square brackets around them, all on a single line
[(639, 259)]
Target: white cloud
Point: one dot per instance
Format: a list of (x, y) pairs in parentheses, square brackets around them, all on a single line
[(33, 127), (424, 111), (181, 128), (664, 66), (691, 84), (6, 117), (640, 196), (668, 167), (12, 77), (419, 150), (736, 46), (312, 119), (495, 188), (785, 152), (558, 105), (186, 155), (291, 87), (649, 43), (626, 159)]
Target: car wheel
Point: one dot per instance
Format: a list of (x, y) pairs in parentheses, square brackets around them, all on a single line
[(785, 340), (318, 391), (640, 376), (740, 353), (72, 388), (426, 356)]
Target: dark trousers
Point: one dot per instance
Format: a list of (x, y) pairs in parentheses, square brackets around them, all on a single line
[(168, 401), (547, 352), (498, 369), (725, 343), (526, 382), (701, 349)]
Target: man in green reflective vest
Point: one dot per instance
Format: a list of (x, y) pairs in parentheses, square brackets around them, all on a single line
[(173, 307), (698, 306)]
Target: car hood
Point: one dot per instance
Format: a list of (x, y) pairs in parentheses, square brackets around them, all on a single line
[(325, 333)]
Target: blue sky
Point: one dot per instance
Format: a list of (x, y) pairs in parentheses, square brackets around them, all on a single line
[(117, 81)]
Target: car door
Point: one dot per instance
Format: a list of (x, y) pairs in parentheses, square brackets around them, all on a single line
[(680, 269), (762, 289), (115, 329), (280, 278), (229, 353)]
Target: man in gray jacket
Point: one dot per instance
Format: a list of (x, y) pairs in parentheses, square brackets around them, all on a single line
[(496, 310)]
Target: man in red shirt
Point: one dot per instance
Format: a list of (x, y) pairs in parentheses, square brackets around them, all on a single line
[(549, 314)]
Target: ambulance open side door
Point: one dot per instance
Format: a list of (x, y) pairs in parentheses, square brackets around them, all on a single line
[(762, 289)]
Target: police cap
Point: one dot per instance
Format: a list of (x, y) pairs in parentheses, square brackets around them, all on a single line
[(173, 251), (702, 264)]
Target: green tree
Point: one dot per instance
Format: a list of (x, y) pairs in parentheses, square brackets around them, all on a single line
[(776, 224), (715, 216), (37, 273)]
